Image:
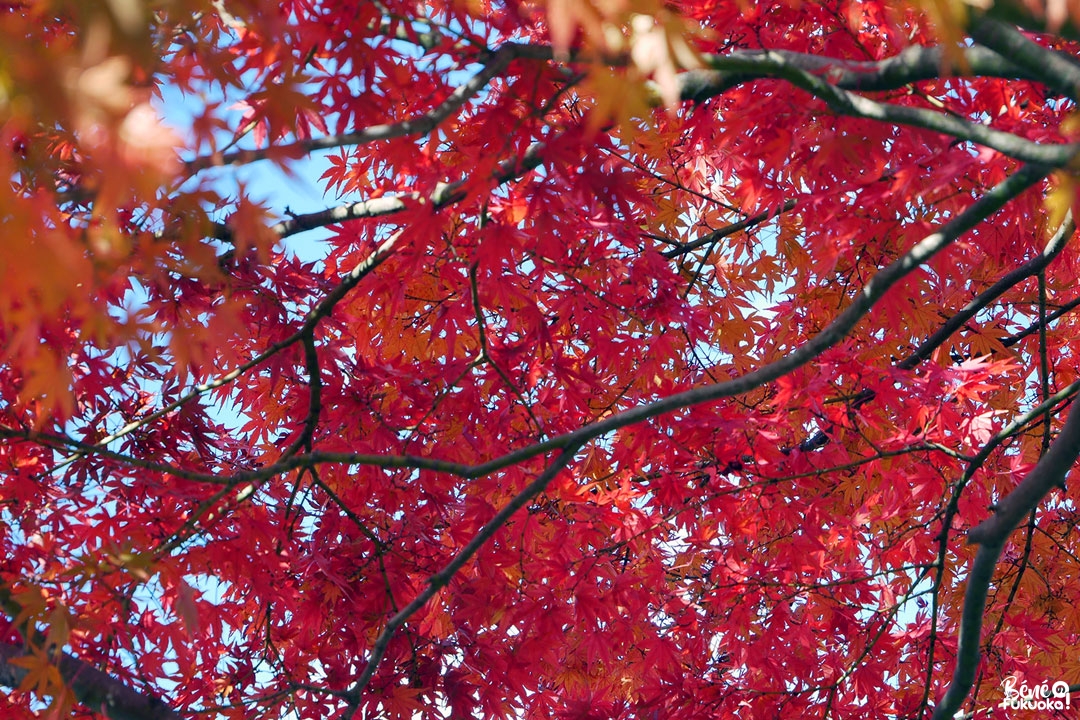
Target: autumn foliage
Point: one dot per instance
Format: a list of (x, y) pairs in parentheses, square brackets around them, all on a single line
[(685, 359)]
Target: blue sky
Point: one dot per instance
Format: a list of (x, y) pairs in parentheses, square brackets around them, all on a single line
[(264, 181)]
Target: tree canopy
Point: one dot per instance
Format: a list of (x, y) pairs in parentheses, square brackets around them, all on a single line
[(695, 358)]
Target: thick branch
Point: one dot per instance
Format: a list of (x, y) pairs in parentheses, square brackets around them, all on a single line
[(913, 64), (1049, 67), (775, 64), (93, 688), (1025, 497), (991, 535), (314, 373)]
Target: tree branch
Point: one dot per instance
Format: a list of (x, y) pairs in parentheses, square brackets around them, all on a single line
[(444, 194), (775, 64), (911, 65), (421, 124), (441, 578), (1039, 324), (1020, 12), (715, 235), (991, 536), (93, 688), (1049, 67), (1007, 281)]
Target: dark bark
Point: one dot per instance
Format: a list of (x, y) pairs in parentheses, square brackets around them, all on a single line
[(92, 688)]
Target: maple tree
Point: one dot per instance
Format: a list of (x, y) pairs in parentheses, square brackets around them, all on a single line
[(654, 359)]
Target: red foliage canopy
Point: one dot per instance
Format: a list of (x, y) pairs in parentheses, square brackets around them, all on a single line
[(653, 359)]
